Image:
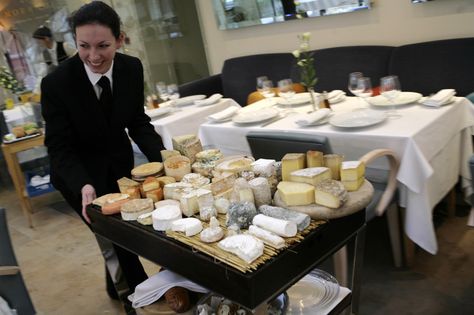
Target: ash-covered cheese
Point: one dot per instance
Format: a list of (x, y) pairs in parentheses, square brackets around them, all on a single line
[(187, 145), (267, 237), (164, 216), (311, 175), (206, 213), (197, 180), (176, 190), (261, 191), (280, 227), (292, 162), (204, 168), (241, 214), (330, 193), (244, 246), (296, 194), (190, 226), (302, 220), (264, 167), (352, 170), (314, 159)]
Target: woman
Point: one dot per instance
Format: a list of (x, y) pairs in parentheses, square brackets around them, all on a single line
[(88, 102)]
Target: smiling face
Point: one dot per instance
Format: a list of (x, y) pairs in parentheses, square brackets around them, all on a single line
[(96, 46)]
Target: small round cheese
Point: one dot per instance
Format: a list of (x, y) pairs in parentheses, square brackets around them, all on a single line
[(164, 216)]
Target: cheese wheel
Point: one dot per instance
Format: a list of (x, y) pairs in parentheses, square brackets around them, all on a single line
[(164, 216), (177, 166), (190, 226)]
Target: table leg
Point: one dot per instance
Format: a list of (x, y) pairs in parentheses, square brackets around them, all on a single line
[(357, 268), (19, 184), (452, 203), (115, 271), (408, 245)]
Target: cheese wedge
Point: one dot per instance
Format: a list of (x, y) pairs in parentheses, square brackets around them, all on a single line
[(353, 185), (296, 194), (330, 193), (292, 162), (352, 170), (333, 162), (312, 175)]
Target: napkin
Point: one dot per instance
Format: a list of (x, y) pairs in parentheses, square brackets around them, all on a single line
[(209, 101), (156, 286), (225, 114), (440, 98), (314, 117), (336, 96)]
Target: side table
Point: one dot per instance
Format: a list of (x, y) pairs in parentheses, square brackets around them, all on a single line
[(9, 152)]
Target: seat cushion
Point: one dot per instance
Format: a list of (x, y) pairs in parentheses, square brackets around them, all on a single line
[(333, 65), (239, 74), (431, 66)]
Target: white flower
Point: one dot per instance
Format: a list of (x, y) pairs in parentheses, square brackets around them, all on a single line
[(296, 53), (304, 46), (306, 36)]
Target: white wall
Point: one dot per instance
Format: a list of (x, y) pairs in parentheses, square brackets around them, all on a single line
[(389, 22)]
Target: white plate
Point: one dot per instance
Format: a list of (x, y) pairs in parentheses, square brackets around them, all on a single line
[(255, 116), (337, 99), (358, 118), (188, 100), (297, 99), (22, 138), (313, 293), (156, 112), (402, 99)]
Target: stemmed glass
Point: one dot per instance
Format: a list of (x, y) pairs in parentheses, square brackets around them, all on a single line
[(364, 88), (285, 90), (260, 81), (267, 89), (352, 85), (173, 92), (390, 89), (162, 91)]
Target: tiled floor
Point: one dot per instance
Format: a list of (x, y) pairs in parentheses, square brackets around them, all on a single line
[(64, 271)]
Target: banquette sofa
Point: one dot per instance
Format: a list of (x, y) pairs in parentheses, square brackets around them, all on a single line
[(423, 67)]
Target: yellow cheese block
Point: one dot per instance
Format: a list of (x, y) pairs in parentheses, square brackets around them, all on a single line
[(314, 159), (353, 185), (296, 194), (312, 175), (352, 170), (292, 162), (333, 162)]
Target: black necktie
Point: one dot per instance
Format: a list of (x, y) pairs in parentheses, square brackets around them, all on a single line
[(105, 99)]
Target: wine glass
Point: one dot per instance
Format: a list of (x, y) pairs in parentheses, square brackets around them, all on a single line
[(364, 88), (285, 90), (173, 92), (390, 89), (162, 91), (260, 81), (267, 89), (353, 82)]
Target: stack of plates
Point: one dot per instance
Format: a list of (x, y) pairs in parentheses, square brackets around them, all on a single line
[(312, 294)]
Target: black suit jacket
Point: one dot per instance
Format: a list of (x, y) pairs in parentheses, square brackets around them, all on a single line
[(87, 145)]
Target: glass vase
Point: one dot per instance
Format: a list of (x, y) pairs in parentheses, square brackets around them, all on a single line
[(314, 99)]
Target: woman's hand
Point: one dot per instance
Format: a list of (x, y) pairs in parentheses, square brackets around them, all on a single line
[(88, 194)]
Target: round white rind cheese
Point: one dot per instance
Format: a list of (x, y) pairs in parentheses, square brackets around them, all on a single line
[(190, 226), (164, 216)]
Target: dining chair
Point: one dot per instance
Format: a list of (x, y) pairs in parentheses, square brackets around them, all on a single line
[(277, 144), (12, 286)]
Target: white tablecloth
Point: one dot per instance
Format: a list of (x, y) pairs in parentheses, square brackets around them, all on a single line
[(434, 145), (186, 120)]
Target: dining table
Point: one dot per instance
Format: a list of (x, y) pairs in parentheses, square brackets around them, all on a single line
[(170, 120), (434, 145)]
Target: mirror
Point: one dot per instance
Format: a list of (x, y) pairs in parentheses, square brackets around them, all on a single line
[(233, 14)]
